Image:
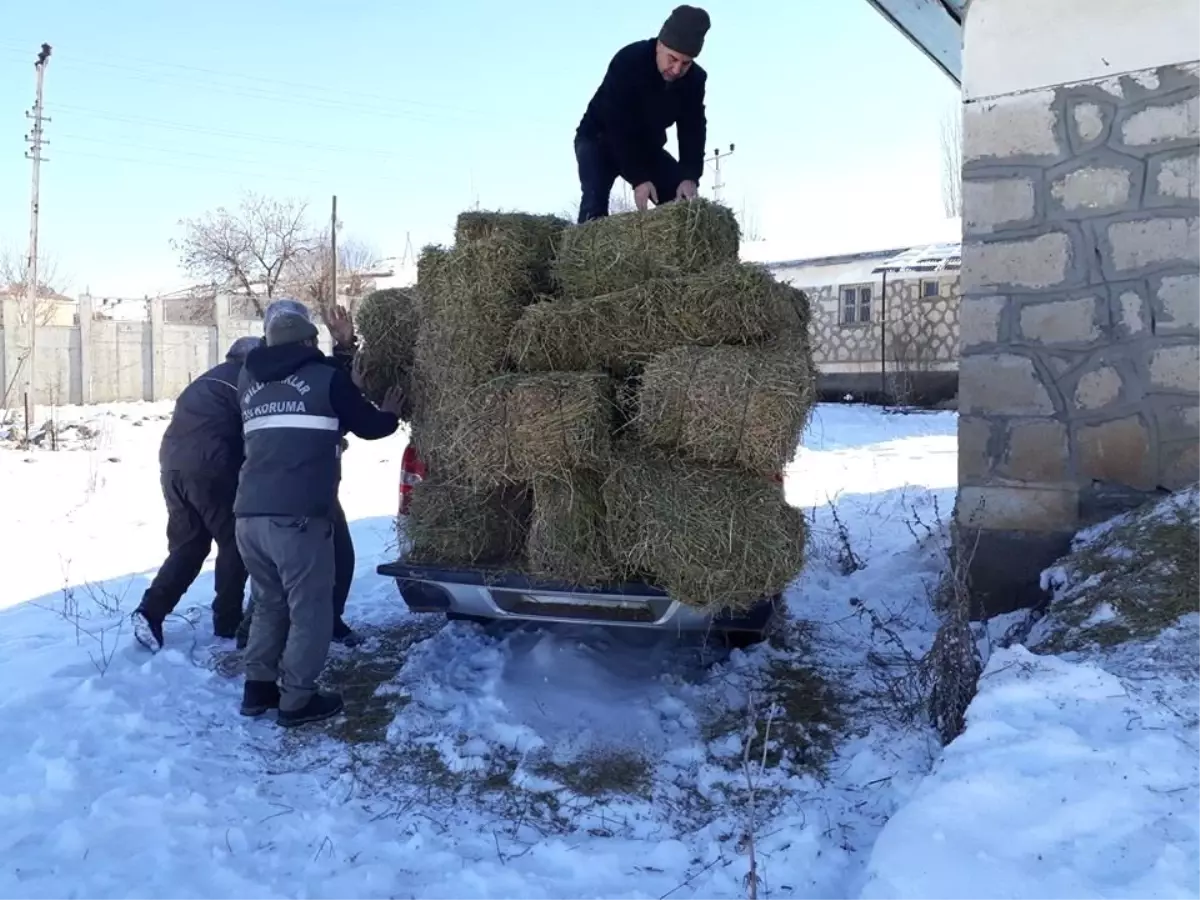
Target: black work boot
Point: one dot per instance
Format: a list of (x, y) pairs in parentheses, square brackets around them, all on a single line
[(147, 630), (226, 629), (345, 635), (258, 697), (321, 706)]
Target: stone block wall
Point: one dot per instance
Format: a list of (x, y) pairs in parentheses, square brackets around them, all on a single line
[(1080, 317), (918, 333)]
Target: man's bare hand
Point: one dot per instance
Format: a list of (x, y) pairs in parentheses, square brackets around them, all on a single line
[(687, 190), (341, 326), (356, 370), (393, 401), (643, 194)]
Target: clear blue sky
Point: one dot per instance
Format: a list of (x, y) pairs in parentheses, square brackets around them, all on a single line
[(410, 112)]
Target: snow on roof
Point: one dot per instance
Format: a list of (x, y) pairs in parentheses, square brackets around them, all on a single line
[(928, 258), (880, 238)]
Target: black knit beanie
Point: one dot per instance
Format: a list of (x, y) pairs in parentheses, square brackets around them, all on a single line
[(685, 29)]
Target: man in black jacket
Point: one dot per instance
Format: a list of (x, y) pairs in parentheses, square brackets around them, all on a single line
[(296, 404), (649, 86), (199, 458)]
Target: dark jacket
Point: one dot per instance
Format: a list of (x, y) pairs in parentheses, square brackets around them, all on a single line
[(633, 108), (296, 404), (204, 437)]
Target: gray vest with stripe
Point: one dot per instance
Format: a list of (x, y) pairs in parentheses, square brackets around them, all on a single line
[(292, 445)]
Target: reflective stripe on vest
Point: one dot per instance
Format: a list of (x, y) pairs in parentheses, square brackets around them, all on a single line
[(288, 420)]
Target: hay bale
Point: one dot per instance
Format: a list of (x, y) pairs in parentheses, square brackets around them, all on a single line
[(538, 232), (454, 524), (516, 428), (743, 407), (387, 323), (730, 304), (568, 541), (470, 298), (617, 252), (536, 236), (713, 538)]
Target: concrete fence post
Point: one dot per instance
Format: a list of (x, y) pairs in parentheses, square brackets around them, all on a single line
[(10, 353), (86, 317), (221, 314), (158, 350)]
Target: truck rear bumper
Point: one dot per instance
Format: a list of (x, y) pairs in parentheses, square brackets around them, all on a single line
[(491, 594)]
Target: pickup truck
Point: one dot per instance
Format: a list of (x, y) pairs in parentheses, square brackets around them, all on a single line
[(482, 594)]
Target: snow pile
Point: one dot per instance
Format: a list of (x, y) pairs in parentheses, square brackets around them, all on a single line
[(533, 762), (1127, 578), (1069, 782)]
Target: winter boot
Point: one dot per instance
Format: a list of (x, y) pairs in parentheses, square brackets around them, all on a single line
[(147, 630), (343, 634), (322, 706), (258, 697)]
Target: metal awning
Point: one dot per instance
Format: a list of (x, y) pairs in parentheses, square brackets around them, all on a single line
[(930, 258), (934, 26)]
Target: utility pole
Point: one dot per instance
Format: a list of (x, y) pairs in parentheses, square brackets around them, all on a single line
[(34, 153), (715, 159), (333, 263)]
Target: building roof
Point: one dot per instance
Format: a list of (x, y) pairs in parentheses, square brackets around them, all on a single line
[(934, 27)]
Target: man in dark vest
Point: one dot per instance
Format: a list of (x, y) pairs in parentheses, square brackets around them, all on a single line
[(199, 458), (650, 85), (345, 344), (296, 406)]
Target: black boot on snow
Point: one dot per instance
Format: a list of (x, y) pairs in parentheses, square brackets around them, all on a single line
[(258, 697), (345, 635), (226, 630), (147, 630), (322, 706)]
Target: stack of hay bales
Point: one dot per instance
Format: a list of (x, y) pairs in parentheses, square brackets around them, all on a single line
[(611, 402), (387, 324)]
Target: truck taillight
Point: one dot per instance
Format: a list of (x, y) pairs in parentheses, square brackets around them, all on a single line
[(412, 473)]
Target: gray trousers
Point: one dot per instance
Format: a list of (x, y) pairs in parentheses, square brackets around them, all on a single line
[(291, 566)]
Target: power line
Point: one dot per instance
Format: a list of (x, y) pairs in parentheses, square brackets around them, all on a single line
[(327, 98), (175, 151), (108, 115)]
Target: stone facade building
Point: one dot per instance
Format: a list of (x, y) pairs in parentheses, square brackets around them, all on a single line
[(885, 324), (1081, 273)]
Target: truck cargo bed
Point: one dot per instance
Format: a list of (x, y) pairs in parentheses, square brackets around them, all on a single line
[(488, 594)]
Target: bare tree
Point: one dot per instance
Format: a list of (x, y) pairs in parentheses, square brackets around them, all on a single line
[(14, 280), (951, 139), (309, 275), (249, 247)]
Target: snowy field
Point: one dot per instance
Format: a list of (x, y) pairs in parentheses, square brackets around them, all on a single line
[(567, 762)]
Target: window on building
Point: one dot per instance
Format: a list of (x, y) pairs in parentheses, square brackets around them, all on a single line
[(856, 304), (930, 289)]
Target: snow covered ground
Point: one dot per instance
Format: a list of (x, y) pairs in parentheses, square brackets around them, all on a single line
[(561, 762)]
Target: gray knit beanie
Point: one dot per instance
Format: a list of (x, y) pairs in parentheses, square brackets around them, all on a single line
[(685, 29), (289, 328)]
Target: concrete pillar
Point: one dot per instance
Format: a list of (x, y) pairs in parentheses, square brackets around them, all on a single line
[(86, 317), (10, 354), (221, 314), (1080, 317), (158, 349)]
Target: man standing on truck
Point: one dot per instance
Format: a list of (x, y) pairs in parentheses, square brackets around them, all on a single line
[(296, 404), (649, 86), (199, 458), (345, 343)]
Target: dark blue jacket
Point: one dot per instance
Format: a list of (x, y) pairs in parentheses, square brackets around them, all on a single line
[(296, 403), (204, 437), (633, 108)]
